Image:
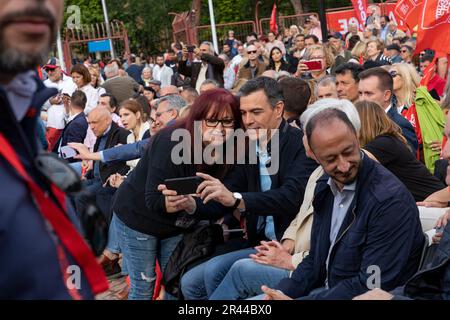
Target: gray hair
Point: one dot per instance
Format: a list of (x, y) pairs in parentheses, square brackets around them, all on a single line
[(344, 105), (210, 81), (147, 69), (211, 46), (324, 82), (175, 102), (111, 70), (224, 57)]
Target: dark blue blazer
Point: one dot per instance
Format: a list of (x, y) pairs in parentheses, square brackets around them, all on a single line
[(407, 129), (381, 230), (75, 130)]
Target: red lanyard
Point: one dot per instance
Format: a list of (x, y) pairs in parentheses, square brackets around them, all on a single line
[(63, 228)]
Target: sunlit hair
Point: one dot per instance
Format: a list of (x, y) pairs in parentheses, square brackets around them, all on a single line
[(411, 80), (375, 122), (327, 53)]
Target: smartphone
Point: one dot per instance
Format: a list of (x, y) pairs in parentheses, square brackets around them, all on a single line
[(313, 65), (186, 185), (191, 48), (68, 152), (439, 230)]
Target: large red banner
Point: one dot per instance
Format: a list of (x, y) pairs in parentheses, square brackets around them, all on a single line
[(360, 8), (409, 11), (434, 26)]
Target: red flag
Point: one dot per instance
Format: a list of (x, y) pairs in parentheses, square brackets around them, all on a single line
[(409, 11), (273, 20), (361, 11), (434, 26)]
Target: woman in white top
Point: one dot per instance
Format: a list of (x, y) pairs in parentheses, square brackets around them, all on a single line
[(82, 78)]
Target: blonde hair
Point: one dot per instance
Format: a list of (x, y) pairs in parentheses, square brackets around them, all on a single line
[(94, 71), (411, 80), (375, 122)]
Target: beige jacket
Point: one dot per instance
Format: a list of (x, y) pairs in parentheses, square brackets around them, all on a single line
[(300, 228)]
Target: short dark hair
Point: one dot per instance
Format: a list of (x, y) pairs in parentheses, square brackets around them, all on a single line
[(269, 86), (150, 89), (300, 35), (296, 93), (112, 100), (427, 57), (78, 99), (327, 116), (385, 81), (386, 18), (312, 36), (354, 68), (409, 48)]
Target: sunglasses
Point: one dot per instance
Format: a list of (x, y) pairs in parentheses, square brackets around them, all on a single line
[(226, 123), (250, 52), (393, 74)]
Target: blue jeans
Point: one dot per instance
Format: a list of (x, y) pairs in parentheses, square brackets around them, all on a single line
[(200, 282), (245, 279), (140, 252)]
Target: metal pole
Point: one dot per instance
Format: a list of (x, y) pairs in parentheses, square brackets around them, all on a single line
[(108, 29), (213, 26), (323, 20), (60, 51)]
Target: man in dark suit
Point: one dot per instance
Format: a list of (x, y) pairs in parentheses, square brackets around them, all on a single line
[(77, 126), (377, 85), (108, 135), (210, 66)]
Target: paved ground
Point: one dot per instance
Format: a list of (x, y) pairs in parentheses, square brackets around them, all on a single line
[(115, 286)]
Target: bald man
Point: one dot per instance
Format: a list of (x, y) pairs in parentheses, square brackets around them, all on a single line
[(109, 135)]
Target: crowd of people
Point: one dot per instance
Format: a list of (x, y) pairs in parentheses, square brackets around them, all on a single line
[(354, 124)]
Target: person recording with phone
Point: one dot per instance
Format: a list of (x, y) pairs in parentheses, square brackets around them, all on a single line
[(205, 66), (318, 59)]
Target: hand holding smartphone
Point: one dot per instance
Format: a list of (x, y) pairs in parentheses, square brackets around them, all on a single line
[(183, 186), (68, 152), (313, 65)]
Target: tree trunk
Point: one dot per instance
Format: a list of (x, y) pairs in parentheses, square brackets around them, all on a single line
[(298, 7), (197, 7)]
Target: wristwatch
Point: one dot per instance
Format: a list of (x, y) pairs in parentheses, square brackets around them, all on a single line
[(238, 198)]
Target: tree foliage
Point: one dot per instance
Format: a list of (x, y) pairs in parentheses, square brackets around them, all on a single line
[(149, 24)]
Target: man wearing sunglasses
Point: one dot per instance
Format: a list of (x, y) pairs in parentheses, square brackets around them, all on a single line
[(54, 106), (254, 66), (39, 244)]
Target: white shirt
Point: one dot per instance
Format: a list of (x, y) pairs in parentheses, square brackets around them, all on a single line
[(201, 77), (92, 95), (163, 74)]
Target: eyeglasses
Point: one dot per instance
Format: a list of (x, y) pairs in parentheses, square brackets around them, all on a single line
[(226, 123), (159, 114), (250, 52), (316, 58), (151, 120), (403, 51)]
